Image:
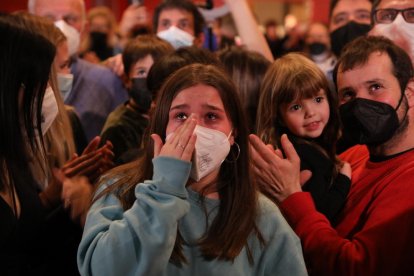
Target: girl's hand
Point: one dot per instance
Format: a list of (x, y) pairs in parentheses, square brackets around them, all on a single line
[(180, 144)]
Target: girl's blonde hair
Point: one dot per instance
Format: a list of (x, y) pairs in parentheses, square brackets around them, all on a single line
[(294, 77)]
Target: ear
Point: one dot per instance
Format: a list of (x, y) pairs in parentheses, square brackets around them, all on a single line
[(232, 137), (409, 92)]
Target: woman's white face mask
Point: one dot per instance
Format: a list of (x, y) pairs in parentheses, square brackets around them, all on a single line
[(49, 110), (211, 149), (65, 82)]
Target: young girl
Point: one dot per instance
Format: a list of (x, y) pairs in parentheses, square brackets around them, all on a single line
[(163, 215), (296, 100)]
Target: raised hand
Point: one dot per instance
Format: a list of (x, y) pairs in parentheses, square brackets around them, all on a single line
[(180, 144)]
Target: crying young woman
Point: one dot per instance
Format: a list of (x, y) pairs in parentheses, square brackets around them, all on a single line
[(189, 205)]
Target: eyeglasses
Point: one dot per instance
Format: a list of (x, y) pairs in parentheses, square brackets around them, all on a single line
[(388, 15)]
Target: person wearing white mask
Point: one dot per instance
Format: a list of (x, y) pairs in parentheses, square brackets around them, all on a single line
[(58, 133), (165, 214), (180, 23), (96, 91), (26, 60), (395, 19)]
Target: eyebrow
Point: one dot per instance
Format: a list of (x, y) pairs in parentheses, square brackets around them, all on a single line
[(348, 88), (50, 16), (208, 106), (340, 14), (367, 82), (373, 81), (165, 20), (362, 10)]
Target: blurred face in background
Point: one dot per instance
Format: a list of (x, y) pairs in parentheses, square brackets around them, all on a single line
[(141, 68), (181, 19), (345, 11), (317, 33), (99, 24), (72, 11), (349, 19), (394, 19)]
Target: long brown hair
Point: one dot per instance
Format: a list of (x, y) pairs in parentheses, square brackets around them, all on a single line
[(247, 69), (58, 139), (25, 62), (292, 77), (235, 222)]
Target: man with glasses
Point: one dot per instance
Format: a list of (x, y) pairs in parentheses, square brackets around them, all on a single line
[(395, 19)]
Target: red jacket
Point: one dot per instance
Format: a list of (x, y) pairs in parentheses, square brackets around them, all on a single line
[(374, 234)]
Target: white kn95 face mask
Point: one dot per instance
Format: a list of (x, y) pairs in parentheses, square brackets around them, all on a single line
[(211, 148)]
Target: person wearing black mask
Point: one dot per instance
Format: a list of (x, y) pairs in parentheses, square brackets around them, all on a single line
[(126, 124), (349, 19), (373, 233), (318, 48), (100, 41)]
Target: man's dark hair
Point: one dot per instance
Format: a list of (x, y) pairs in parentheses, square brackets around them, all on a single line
[(333, 4), (357, 53), (184, 5)]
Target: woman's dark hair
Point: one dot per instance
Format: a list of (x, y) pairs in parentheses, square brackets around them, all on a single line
[(25, 62), (235, 221), (163, 68), (247, 69)]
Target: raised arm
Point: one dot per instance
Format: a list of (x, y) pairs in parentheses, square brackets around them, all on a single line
[(248, 28), (140, 240)]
